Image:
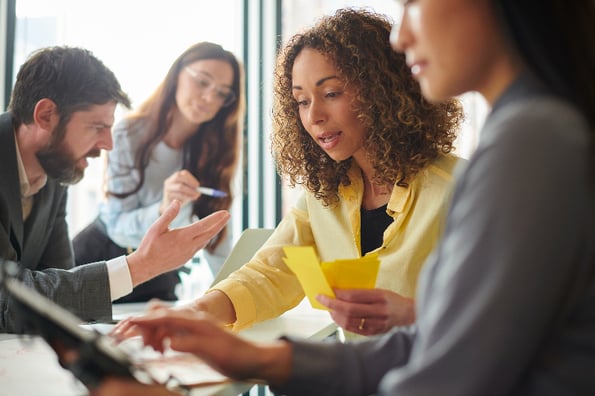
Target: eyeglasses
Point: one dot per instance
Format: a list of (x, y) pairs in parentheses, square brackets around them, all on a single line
[(225, 96)]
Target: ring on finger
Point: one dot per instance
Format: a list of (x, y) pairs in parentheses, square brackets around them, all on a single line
[(362, 324)]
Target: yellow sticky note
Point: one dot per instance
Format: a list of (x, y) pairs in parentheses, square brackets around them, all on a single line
[(357, 273), (302, 260)]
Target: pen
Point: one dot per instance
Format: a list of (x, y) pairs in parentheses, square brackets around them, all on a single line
[(211, 192)]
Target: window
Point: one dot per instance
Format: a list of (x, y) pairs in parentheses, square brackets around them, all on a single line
[(137, 39)]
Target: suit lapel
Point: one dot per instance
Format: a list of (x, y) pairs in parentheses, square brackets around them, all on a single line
[(10, 190), (38, 224)]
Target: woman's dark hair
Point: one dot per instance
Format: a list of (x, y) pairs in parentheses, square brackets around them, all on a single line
[(405, 132), (211, 154), (556, 40)]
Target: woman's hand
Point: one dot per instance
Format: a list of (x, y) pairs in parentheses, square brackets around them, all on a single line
[(125, 329), (369, 311), (198, 333), (180, 186), (216, 304)]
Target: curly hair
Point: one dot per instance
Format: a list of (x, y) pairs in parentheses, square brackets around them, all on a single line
[(405, 132)]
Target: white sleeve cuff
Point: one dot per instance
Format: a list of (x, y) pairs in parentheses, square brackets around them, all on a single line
[(120, 282)]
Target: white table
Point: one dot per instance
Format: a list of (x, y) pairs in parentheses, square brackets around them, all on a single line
[(30, 367)]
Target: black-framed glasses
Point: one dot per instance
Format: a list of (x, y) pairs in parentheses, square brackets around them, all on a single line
[(205, 83)]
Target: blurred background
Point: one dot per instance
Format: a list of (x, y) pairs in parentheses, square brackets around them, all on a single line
[(139, 39)]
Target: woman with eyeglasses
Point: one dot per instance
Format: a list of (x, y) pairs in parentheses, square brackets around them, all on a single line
[(186, 135)]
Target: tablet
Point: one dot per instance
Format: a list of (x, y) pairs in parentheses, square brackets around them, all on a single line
[(97, 355)]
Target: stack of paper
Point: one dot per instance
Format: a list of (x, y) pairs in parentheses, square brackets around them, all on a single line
[(321, 278)]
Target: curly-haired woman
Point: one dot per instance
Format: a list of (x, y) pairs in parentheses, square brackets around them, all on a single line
[(185, 135), (350, 126)]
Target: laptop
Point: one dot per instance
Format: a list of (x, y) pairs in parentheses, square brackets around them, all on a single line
[(95, 355)]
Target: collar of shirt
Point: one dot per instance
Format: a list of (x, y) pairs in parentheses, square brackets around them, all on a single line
[(398, 198), (27, 189)]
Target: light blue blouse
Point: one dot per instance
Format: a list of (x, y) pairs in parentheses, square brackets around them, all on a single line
[(128, 219)]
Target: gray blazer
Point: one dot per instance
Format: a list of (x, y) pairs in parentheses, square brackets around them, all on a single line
[(42, 245), (506, 303)]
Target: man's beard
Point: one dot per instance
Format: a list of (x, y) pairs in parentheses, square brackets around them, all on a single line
[(58, 162)]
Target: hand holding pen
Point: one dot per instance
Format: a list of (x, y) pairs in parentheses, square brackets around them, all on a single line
[(211, 192), (182, 186)]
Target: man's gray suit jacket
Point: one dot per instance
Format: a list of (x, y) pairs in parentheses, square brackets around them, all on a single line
[(41, 245)]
